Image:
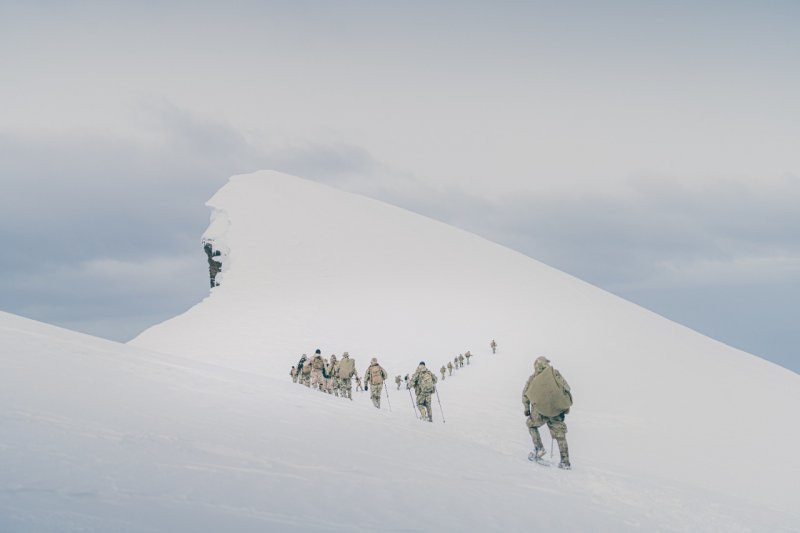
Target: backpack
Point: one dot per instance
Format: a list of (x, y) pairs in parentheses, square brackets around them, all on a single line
[(549, 392), (346, 368), (425, 382), (375, 374)]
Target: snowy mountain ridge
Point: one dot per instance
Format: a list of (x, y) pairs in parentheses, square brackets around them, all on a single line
[(195, 425)]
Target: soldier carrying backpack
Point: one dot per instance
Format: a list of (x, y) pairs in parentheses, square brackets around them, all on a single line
[(424, 383), (345, 370), (374, 377), (547, 399)]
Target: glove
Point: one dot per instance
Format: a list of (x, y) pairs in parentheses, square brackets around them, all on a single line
[(527, 412)]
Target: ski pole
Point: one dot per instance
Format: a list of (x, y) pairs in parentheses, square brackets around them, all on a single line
[(440, 407), (387, 399), (551, 446), (413, 405)]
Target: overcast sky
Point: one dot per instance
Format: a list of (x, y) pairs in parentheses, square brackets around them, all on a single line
[(650, 148)]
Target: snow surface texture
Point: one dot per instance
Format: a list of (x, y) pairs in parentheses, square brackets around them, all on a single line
[(670, 430)]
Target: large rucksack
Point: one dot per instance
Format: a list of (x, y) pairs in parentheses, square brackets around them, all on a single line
[(375, 374), (425, 382), (549, 392), (346, 368)]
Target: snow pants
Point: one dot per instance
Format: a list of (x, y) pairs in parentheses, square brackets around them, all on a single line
[(558, 430), (375, 394)]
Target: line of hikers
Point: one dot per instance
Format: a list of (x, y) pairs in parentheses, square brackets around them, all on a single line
[(335, 377), (546, 397)]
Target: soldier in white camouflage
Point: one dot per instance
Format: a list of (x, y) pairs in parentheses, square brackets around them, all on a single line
[(547, 399), (461, 360), (467, 356), (450, 368), (455, 362), (442, 370), (373, 379), (398, 380), (493, 345), (345, 369), (424, 383)]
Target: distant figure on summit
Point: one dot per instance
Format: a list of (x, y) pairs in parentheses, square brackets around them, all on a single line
[(493, 346), (547, 399)]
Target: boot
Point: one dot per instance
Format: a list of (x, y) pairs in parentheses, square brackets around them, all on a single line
[(563, 450), (537, 440)]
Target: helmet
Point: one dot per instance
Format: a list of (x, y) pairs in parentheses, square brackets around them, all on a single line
[(374, 359), (422, 363), (318, 351), (541, 362)]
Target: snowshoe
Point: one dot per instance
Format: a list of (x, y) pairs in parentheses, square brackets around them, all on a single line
[(535, 458)]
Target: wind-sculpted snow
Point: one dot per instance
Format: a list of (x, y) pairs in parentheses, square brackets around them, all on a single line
[(196, 425)]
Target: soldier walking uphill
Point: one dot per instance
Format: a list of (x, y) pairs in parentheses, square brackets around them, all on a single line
[(442, 370), (461, 360), (547, 399), (374, 378), (345, 370), (467, 356), (304, 371), (331, 383), (398, 380), (424, 383), (449, 368), (318, 371)]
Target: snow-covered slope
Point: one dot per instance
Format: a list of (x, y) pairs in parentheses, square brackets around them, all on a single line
[(312, 266), (196, 426), (98, 436)]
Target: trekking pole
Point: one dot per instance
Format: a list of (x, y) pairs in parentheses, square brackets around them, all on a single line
[(551, 446), (440, 407), (413, 405), (387, 399)]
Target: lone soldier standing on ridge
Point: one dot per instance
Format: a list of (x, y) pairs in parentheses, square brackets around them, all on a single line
[(547, 399), (374, 378), (398, 380), (494, 346), (424, 383), (442, 371)]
